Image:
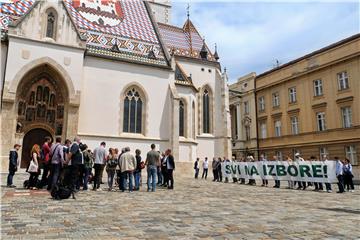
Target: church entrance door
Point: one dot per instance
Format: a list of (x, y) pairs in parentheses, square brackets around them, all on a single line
[(32, 137)]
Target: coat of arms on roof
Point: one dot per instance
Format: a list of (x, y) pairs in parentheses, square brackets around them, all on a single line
[(107, 13)]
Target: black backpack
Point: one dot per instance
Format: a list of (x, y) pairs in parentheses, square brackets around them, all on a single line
[(60, 192)]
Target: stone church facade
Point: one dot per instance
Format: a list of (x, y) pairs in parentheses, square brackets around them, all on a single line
[(109, 71)]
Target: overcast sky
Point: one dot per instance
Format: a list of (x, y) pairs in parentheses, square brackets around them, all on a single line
[(252, 35)]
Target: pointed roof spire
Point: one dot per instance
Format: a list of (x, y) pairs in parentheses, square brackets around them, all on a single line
[(188, 28), (203, 51), (216, 55), (188, 11)]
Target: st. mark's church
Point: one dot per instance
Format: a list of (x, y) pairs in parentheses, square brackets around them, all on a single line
[(109, 70)]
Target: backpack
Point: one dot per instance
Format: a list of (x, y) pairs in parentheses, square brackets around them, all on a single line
[(112, 163), (61, 192)]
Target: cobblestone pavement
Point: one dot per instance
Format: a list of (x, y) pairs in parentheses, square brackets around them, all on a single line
[(196, 209)]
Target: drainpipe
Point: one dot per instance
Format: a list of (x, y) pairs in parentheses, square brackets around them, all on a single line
[(3, 82), (256, 119)]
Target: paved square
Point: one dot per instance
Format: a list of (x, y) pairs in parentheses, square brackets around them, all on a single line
[(194, 210)]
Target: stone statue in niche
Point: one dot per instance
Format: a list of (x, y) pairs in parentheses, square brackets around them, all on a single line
[(30, 114), (39, 93), (60, 112), (46, 95), (19, 127), (32, 99), (52, 100)]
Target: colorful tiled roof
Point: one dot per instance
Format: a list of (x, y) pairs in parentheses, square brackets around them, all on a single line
[(185, 41), (12, 10), (112, 28)]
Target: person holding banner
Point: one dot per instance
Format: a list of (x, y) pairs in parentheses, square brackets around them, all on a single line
[(340, 174), (277, 182), (265, 182), (318, 186), (301, 185), (290, 183), (327, 185)]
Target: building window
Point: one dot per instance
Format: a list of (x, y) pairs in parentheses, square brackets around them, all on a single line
[(292, 95), (277, 128), (50, 26), (346, 117), (324, 154), (276, 99), (206, 112), (318, 89), (261, 104), (133, 109), (294, 125), (247, 133), (263, 130), (350, 152), (246, 107), (278, 155), (320, 118), (343, 80), (181, 119)]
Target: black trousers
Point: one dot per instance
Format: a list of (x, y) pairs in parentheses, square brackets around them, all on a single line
[(215, 173), (220, 174), (33, 180), (318, 186), (348, 182), (277, 183), (341, 183), (265, 182), (170, 178), (205, 172), (98, 172), (165, 175), (74, 176)]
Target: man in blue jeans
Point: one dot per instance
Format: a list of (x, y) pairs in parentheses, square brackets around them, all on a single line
[(152, 162), (13, 163)]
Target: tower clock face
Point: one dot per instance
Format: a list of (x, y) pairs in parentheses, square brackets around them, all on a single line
[(104, 13)]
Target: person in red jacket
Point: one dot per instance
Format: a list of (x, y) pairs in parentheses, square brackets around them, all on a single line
[(45, 157)]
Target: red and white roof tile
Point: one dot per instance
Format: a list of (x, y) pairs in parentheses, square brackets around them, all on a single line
[(178, 41)]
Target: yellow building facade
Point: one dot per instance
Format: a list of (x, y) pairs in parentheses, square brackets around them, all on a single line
[(311, 105)]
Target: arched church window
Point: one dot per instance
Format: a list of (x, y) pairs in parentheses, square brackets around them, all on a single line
[(52, 100), (32, 98), (133, 110), (50, 27), (46, 94), (206, 111), (181, 119), (39, 92)]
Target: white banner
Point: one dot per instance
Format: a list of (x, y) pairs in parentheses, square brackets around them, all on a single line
[(306, 171)]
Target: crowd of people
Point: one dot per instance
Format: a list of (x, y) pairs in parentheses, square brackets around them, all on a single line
[(344, 173), (74, 165)]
